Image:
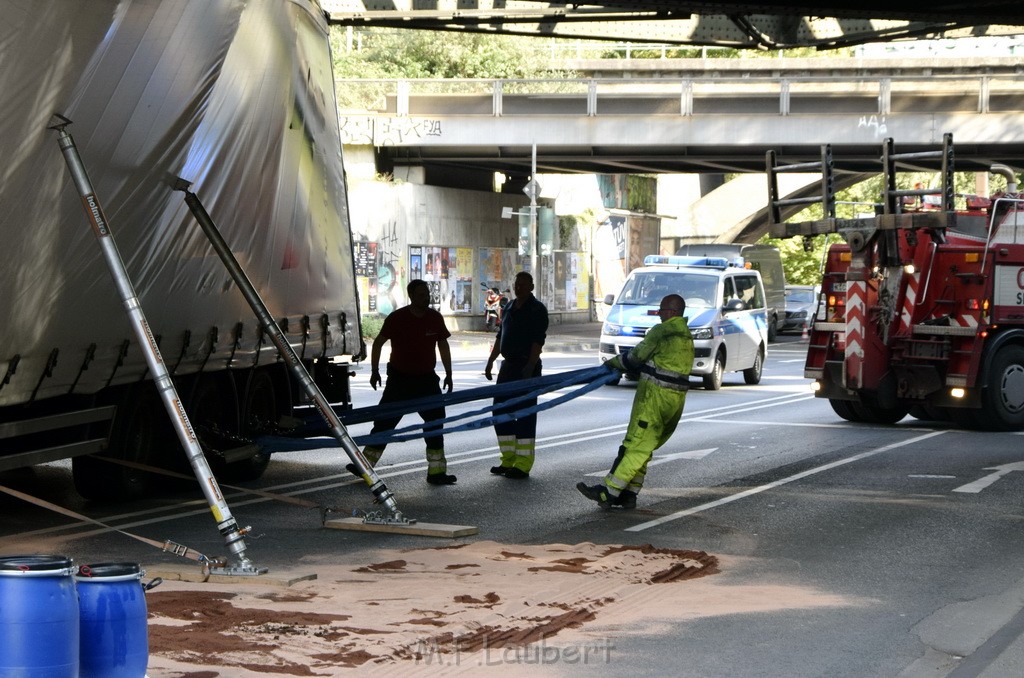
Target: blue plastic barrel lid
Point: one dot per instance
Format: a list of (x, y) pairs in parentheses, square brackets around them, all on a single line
[(100, 570), (33, 563)]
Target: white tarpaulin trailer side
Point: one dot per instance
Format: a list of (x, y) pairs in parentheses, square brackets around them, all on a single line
[(234, 96)]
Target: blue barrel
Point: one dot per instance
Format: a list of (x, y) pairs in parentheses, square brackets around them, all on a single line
[(38, 617), (112, 603)]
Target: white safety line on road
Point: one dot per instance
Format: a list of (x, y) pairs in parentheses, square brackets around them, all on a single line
[(983, 482), (778, 483)]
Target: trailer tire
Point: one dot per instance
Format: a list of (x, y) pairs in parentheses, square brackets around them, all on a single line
[(140, 433), (260, 414), (1003, 398)]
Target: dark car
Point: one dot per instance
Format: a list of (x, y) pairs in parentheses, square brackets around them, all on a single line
[(801, 303)]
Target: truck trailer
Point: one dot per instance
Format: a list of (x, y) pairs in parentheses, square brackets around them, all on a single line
[(921, 309), (235, 98)]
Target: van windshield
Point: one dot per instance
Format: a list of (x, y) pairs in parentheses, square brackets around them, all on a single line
[(649, 288)]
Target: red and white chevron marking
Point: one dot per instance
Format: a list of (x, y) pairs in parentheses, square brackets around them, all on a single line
[(856, 298), (909, 301)]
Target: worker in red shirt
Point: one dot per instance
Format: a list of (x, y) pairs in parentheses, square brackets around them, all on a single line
[(417, 334)]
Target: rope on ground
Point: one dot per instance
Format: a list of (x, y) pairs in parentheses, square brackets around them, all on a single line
[(522, 391), (167, 546)]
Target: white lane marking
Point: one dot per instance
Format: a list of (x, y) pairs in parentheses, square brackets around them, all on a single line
[(778, 483), (691, 454), (983, 482), (929, 475)]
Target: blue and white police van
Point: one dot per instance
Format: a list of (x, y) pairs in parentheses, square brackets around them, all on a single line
[(725, 309)]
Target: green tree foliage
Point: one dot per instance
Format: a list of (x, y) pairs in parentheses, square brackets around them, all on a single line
[(405, 53)]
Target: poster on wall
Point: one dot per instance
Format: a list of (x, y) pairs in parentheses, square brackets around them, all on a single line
[(498, 268), (365, 262), (415, 263), (448, 272), (571, 282)]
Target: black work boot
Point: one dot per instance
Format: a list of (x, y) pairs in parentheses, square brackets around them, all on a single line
[(626, 500), (598, 493), (441, 479), (354, 470)]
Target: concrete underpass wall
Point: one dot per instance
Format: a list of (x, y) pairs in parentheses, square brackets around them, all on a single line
[(391, 220)]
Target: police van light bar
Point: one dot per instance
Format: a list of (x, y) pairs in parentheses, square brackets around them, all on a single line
[(678, 260)]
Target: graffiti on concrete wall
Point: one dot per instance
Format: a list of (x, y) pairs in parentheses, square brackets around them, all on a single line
[(396, 131), (380, 275), (356, 130), (369, 131)]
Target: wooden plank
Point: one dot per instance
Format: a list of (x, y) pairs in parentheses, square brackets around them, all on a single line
[(421, 529), (195, 574)]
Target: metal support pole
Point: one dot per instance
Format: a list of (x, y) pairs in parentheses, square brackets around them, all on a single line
[(534, 271), (234, 537), (338, 430)]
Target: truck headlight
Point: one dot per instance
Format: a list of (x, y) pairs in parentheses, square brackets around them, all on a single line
[(702, 333), (612, 330)]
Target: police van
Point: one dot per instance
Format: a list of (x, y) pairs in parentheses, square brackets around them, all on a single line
[(725, 310)]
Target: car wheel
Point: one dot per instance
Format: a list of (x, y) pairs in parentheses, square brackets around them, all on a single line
[(752, 375), (773, 328), (713, 381)]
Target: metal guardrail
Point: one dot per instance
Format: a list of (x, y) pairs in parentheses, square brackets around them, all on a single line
[(876, 95)]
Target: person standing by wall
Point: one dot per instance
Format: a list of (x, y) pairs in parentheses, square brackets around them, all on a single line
[(663, 359), (521, 335), (415, 331)]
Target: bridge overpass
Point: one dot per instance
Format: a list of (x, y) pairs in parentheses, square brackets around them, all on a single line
[(707, 115), (693, 116)]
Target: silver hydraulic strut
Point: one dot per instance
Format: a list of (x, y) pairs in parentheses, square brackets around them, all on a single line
[(234, 537), (271, 328)]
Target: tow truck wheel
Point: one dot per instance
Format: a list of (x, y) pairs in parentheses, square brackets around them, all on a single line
[(752, 375), (873, 413), (928, 413), (1003, 398), (847, 409), (713, 381)]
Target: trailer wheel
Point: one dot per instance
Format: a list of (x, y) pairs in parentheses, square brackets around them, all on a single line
[(1003, 398), (260, 415), (141, 433), (713, 381), (752, 375)]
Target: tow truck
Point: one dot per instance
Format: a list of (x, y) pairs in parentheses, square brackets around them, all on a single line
[(921, 309)]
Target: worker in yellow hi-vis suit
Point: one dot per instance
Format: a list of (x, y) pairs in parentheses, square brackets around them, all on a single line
[(663, 359)]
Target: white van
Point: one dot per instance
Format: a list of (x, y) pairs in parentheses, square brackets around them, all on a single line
[(725, 309)]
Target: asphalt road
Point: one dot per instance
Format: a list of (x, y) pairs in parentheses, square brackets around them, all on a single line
[(911, 531)]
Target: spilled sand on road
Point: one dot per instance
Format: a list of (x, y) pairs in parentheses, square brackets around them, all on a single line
[(463, 606)]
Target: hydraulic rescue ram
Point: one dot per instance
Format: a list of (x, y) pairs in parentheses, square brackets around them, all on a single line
[(338, 430), (234, 537)]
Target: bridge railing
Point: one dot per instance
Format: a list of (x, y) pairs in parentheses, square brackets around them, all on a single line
[(865, 95)]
